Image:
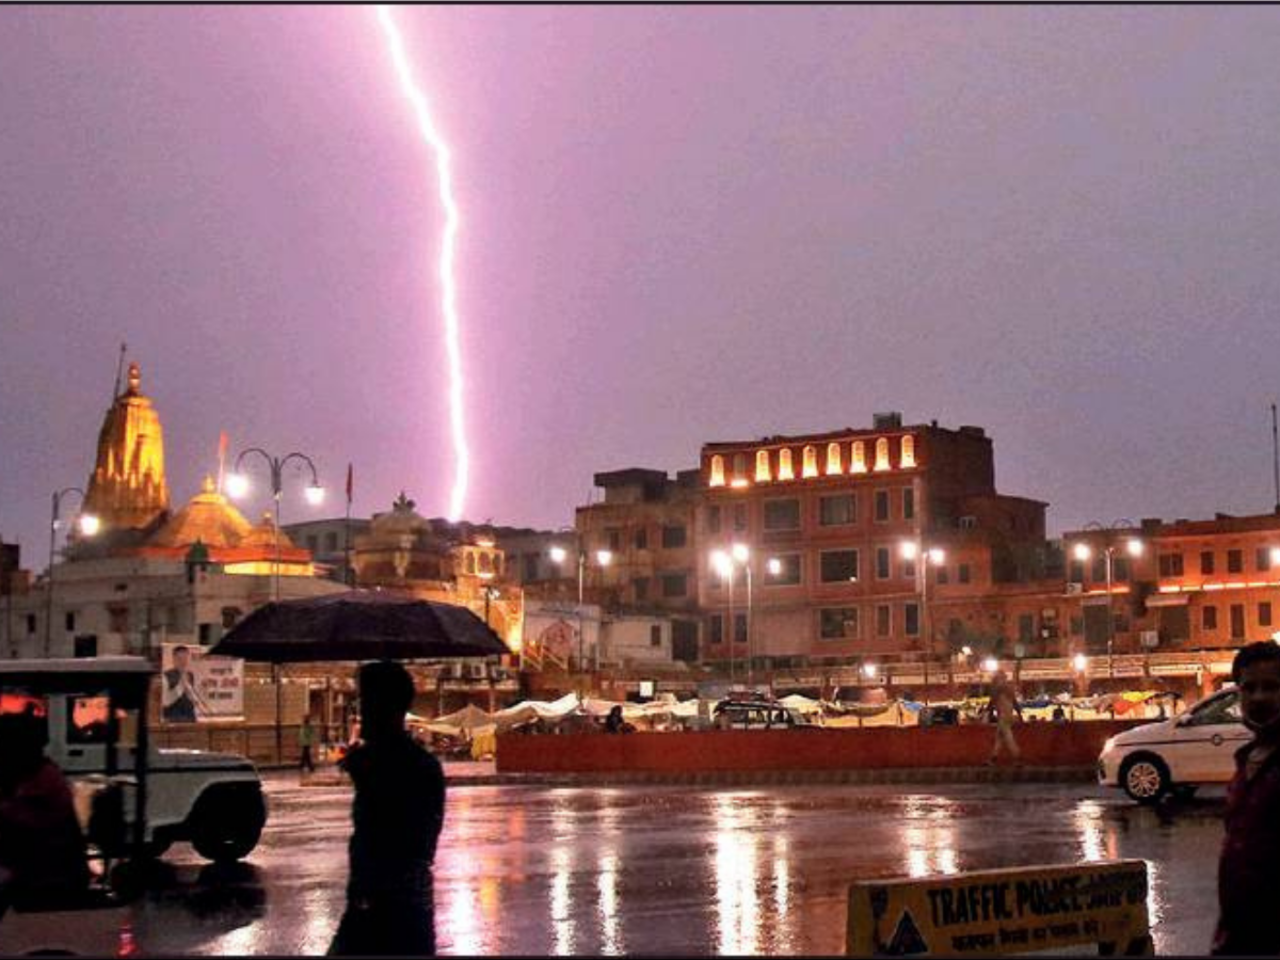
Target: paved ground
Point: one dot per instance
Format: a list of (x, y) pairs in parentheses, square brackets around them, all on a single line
[(676, 870)]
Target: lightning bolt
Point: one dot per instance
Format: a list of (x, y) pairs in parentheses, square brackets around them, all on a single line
[(448, 290)]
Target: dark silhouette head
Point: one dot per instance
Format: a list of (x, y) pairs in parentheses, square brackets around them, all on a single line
[(22, 740), (386, 693)]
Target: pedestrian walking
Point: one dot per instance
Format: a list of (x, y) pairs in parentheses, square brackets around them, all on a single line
[(1249, 867), (306, 740), (396, 817), (1002, 708)]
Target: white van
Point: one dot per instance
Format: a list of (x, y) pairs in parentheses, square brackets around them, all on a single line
[(1196, 748)]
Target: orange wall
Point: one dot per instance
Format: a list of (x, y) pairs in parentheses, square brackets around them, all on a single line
[(1042, 744)]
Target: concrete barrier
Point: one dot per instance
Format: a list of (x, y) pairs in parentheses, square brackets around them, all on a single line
[(1043, 745)]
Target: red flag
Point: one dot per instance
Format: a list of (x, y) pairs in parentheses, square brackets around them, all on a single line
[(350, 483)]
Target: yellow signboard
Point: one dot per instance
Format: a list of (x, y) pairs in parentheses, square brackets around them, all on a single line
[(994, 912)]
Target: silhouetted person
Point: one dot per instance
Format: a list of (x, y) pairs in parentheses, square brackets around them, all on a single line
[(306, 739), (1249, 867), (396, 817), (42, 853), (614, 723), (1003, 707)]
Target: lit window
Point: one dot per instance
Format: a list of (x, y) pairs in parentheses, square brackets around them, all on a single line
[(717, 471), (785, 470), (834, 464), (810, 461), (762, 466), (859, 464), (882, 453), (908, 451)]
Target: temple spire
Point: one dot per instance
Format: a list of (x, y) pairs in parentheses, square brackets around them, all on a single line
[(127, 489)]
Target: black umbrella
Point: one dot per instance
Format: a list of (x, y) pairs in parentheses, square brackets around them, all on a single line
[(359, 625)]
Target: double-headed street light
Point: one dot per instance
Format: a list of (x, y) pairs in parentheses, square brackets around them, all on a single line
[(1082, 551), (603, 558), (724, 563), (914, 551), (88, 525), (238, 486)]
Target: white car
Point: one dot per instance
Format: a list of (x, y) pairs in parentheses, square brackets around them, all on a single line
[(1177, 756)]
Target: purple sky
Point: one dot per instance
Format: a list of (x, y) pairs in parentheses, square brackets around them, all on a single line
[(679, 225)]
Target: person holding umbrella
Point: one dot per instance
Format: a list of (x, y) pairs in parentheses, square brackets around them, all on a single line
[(396, 815)]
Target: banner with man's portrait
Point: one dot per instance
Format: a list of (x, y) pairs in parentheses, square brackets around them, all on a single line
[(196, 687)]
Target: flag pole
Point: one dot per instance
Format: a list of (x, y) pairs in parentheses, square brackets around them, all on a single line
[(348, 575)]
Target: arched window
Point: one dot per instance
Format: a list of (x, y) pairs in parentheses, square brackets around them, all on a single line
[(739, 466), (486, 563), (810, 461), (834, 462), (785, 470), (859, 463), (908, 451), (882, 453), (717, 471), (762, 466), (471, 563)]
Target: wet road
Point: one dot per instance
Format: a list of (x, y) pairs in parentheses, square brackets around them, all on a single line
[(676, 870)]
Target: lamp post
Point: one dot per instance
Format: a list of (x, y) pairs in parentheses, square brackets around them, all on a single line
[(722, 563), (559, 555), (89, 525), (915, 551), (741, 553), (238, 486), (1082, 551)]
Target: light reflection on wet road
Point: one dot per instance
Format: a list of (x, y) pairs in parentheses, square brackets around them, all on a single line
[(677, 870)]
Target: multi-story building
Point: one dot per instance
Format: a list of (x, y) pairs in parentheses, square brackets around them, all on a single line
[(646, 523), (839, 529), (1189, 584)]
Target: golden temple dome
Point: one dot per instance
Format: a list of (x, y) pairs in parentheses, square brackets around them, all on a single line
[(264, 535), (208, 518), (127, 488)]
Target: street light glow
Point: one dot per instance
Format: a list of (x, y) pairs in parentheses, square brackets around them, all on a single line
[(869, 670), (937, 556), (315, 494), (741, 553), (604, 557), (775, 567), (1081, 551), (1275, 556), (237, 485), (991, 665), (722, 564), (558, 554), (1080, 662), (1135, 547), (89, 524), (909, 549)]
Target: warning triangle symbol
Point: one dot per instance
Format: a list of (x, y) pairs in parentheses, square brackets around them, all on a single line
[(906, 939)]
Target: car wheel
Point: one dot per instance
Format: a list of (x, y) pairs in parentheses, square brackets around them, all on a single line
[(225, 829), (1145, 778)]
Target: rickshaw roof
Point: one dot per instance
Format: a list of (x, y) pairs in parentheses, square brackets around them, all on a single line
[(126, 678)]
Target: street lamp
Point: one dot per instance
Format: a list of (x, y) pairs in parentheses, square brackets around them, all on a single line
[(742, 554), (990, 665), (1082, 551), (722, 564), (913, 550), (559, 555), (89, 525), (775, 567), (238, 486)]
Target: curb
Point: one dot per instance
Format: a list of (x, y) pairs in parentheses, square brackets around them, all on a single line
[(905, 775)]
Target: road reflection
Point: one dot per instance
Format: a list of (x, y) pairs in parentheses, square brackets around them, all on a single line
[(681, 870)]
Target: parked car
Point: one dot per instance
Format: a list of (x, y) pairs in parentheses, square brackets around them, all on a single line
[(757, 715), (1178, 755)]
